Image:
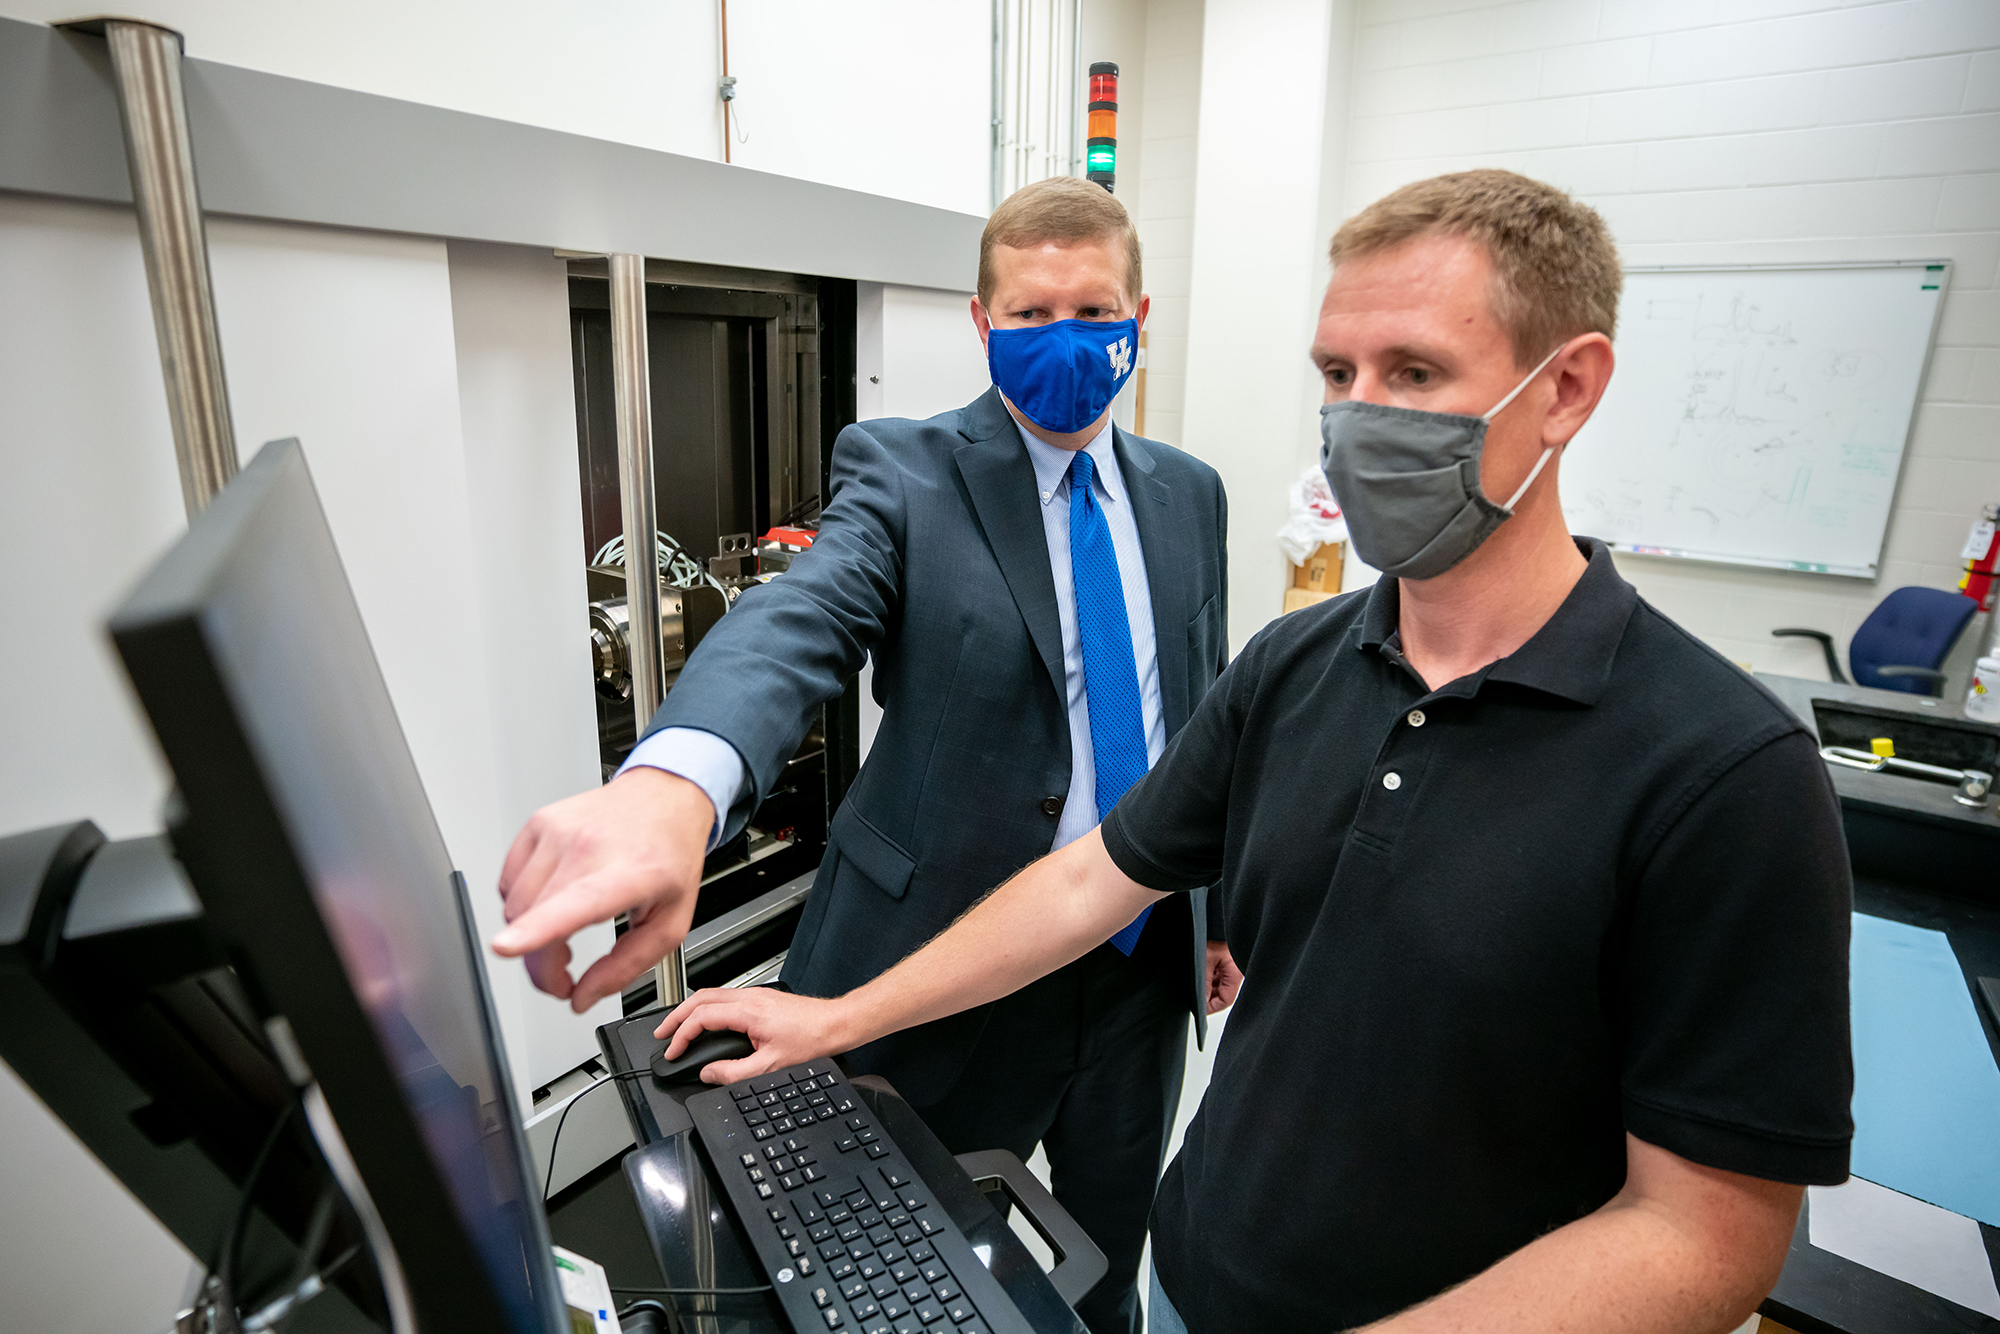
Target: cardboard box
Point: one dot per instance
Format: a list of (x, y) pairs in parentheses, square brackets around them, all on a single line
[(1321, 572), (1296, 598)]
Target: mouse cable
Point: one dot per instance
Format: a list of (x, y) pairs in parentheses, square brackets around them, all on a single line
[(549, 1177)]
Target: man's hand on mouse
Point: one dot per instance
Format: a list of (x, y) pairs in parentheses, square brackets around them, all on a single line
[(634, 846), (786, 1029)]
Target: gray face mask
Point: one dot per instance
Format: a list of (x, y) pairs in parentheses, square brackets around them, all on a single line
[(1408, 482)]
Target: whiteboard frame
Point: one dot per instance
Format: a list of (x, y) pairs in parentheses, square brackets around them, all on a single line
[(1874, 572)]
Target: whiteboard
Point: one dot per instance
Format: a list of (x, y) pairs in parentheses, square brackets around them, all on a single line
[(1757, 415)]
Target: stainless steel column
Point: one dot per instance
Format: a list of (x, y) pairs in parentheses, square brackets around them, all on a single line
[(632, 408), (146, 63)]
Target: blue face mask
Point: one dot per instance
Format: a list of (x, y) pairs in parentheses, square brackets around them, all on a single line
[(1063, 375)]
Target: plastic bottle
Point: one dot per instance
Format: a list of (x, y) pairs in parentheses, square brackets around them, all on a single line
[(1982, 698)]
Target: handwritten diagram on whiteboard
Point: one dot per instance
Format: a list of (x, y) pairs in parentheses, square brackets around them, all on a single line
[(1756, 416)]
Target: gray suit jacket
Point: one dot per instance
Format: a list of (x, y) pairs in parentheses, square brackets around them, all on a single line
[(931, 556)]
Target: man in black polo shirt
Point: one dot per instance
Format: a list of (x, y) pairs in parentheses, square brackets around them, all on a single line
[(1542, 905)]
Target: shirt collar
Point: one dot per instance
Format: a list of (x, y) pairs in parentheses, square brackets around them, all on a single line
[(1052, 465), (1571, 655)]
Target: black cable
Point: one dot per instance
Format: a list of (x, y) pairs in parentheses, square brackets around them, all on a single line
[(692, 1292), (230, 1247), (555, 1139)]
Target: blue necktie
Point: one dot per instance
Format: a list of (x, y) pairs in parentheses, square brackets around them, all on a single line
[(1110, 680)]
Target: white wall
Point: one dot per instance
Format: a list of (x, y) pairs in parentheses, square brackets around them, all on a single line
[(1169, 101), (887, 96), (446, 459), (1750, 131), (1254, 273)]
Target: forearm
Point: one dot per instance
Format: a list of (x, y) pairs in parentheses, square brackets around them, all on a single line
[(1057, 910), (1628, 1268)]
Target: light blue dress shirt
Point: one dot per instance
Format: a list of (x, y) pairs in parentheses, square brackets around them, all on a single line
[(713, 765)]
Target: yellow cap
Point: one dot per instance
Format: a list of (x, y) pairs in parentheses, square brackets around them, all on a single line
[(1883, 746)]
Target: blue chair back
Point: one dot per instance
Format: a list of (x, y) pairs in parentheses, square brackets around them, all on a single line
[(1912, 627)]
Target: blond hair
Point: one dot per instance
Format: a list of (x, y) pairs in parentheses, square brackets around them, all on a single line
[(1064, 210), (1555, 269)]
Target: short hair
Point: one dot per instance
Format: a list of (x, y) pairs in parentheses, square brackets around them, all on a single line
[(1555, 268), (1065, 210)]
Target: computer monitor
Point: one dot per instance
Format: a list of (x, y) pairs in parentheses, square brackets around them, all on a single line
[(324, 872)]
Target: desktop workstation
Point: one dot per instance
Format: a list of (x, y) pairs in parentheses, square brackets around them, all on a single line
[(315, 1096)]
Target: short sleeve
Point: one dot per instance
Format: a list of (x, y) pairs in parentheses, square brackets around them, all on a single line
[(1734, 976), (1167, 831)]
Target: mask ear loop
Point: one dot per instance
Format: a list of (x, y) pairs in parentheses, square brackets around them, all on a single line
[(1548, 453)]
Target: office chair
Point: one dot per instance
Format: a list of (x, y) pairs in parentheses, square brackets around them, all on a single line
[(1903, 643)]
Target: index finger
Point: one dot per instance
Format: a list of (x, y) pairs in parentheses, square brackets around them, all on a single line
[(562, 911)]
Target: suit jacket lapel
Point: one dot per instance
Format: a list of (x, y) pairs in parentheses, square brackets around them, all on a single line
[(1162, 540), (1000, 478)]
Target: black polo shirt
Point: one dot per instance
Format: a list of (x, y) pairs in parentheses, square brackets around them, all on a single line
[(1599, 886)]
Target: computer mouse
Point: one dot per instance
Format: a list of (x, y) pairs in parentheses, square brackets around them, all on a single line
[(721, 1044)]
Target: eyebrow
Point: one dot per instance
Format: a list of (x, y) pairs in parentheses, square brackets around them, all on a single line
[(1398, 351)]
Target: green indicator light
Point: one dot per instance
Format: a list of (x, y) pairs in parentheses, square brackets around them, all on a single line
[(1103, 157)]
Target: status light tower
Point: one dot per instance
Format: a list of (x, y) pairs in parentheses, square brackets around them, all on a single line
[(1101, 148)]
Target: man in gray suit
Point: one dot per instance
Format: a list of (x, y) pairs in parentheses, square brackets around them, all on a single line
[(1043, 598)]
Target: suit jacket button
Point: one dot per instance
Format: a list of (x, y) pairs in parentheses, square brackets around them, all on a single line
[(1052, 806)]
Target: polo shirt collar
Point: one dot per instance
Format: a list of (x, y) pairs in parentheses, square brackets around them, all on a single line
[(1570, 656), (1052, 465)]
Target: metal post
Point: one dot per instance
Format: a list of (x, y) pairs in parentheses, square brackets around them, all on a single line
[(146, 65), (632, 408)]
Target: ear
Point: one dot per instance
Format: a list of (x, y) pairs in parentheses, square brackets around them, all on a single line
[(1145, 306), (1581, 374), (981, 322)]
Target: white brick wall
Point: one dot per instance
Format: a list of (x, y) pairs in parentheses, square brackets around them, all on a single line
[(1172, 100), (1729, 131)]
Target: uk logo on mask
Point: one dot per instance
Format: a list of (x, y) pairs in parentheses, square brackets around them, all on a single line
[(1121, 357)]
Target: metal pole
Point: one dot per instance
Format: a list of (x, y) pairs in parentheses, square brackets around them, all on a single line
[(146, 65), (632, 409)]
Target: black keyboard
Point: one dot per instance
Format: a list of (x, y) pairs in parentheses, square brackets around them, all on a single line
[(851, 1240)]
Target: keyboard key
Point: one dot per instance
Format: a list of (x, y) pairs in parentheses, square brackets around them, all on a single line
[(895, 1179), (839, 1214), (876, 1150), (853, 1288), (756, 1173), (909, 1235), (909, 1324), (791, 1181), (898, 1219), (869, 1220), (819, 1100), (822, 1298), (882, 1236), (915, 1293), (843, 1105), (808, 1212), (929, 1311), (882, 1287), (779, 1163), (946, 1291), (876, 1325), (803, 1159), (785, 1229), (841, 1269), (883, 1199), (857, 1123), (832, 1315), (894, 1307), (794, 1145), (973, 1326), (765, 1083), (813, 1174), (749, 1160), (847, 1144), (771, 1100), (783, 1124), (865, 1136), (871, 1268), (820, 1232), (921, 1252), (960, 1310), (777, 1215), (868, 1307), (763, 1132), (795, 1247), (773, 1152), (903, 1272), (856, 1200), (805, 1264), (764, 1191), (849, 1231), (890, 1254), (831, 1251), (933, 1271), (912, 1201), (857, 1249)]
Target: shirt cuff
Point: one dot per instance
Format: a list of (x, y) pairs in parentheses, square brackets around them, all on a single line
[(703, 758)]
